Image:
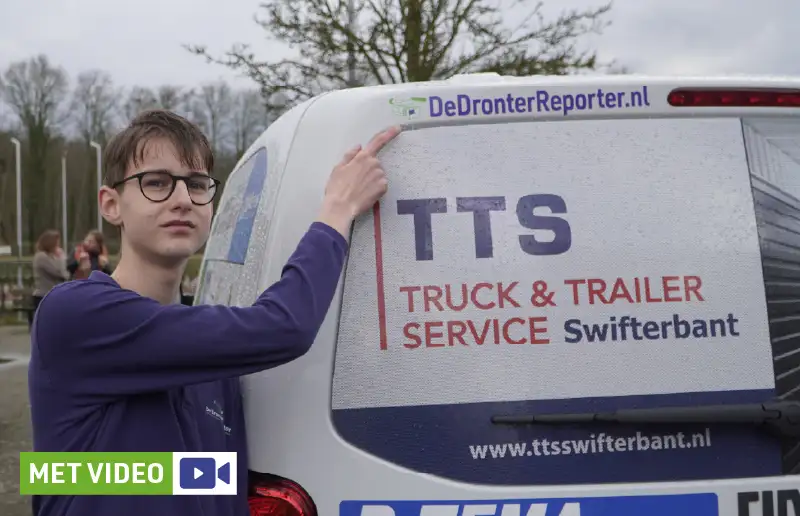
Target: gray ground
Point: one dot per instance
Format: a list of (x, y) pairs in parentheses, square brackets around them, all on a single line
[(14, 417)]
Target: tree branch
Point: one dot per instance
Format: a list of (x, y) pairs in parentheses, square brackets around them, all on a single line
[(409, 40)]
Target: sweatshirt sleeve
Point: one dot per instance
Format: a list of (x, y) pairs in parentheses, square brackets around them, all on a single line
[(98, 339)]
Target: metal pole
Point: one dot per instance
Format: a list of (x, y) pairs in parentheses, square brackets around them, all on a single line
[(64, 237), (18, 158), (99, 183)]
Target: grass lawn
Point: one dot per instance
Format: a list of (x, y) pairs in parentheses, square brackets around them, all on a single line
[(11, 319)]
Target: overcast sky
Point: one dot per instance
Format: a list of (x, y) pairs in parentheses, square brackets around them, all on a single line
[(139, 41)]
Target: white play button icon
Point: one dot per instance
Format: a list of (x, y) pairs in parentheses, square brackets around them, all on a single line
[(197, 473)]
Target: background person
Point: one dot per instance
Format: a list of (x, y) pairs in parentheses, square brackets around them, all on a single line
[(49, 267), (90, 255)]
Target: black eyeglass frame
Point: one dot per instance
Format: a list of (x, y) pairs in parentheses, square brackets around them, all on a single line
[(138, 176)]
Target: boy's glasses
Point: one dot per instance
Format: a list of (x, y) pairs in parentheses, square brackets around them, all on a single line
[(158, 186)]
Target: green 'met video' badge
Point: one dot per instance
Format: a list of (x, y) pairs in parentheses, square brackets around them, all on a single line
[(127, 473)]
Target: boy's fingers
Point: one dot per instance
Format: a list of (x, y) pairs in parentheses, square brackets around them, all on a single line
[(349, 155), (382, 138)]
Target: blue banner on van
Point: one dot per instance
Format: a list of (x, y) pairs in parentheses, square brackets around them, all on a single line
[(461, 443), (701, 504)]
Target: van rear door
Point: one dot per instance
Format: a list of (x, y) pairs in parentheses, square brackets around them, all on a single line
[(579, 266)]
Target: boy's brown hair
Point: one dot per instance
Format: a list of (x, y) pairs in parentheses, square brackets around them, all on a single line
[(128, 146)]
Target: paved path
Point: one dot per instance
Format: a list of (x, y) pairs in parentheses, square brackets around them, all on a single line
[(15, 429)]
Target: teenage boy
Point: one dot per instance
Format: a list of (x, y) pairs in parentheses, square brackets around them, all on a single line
[(118, 364)]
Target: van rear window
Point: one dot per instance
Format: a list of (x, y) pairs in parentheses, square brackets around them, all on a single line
[(572, 267), (231, 236)]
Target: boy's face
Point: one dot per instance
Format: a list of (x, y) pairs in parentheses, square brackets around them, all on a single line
[(167, 232)]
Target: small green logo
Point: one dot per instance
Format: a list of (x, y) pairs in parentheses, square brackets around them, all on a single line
[(409, 108)]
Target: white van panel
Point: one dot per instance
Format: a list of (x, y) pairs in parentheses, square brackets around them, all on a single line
[(288, 409)]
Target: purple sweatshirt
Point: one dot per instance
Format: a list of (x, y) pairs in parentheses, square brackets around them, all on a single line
[(114, 371)]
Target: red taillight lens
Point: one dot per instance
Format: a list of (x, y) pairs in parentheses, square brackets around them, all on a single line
[(698, 97), (275, 496)]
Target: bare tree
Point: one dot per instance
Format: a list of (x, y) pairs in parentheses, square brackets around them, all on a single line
[(94, 102), (5, 122), (276, 104), (36, 92), (139, 99), (37, 106), (248, 119), (212, 106), (174, 98), (340, 42), (6, 212)]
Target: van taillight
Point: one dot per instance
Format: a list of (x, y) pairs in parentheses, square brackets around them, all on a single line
[(271, 495), (712, 97)]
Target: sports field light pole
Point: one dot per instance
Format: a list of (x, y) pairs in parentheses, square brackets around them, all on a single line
[(99, 183), (18, 158), (64, 238)]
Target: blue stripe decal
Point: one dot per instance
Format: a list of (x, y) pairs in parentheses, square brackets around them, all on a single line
[(702, 504), (457, 442), (240, 240)]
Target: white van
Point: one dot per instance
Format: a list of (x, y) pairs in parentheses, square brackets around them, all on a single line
[(580, 296)]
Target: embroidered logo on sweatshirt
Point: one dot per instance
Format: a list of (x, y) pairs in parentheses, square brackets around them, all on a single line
[(217, 413)]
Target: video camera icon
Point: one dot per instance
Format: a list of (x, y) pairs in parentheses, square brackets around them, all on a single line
[(203, 473)]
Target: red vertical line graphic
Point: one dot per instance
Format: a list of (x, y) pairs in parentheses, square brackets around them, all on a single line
[(376, 217)]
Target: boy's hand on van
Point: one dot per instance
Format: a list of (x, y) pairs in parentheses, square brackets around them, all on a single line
[(356, 183)]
